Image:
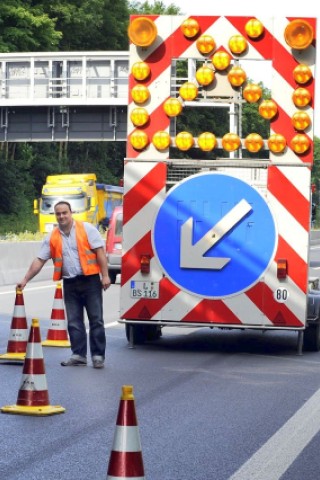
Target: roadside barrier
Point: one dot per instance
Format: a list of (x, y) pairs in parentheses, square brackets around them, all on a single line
[(18, 337), (57, 335), (33, 396), (126, 457)]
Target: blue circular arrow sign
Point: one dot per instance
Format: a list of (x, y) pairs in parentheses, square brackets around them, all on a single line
[(214, 235)]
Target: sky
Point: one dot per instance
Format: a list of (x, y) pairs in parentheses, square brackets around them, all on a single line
[(276, 8)]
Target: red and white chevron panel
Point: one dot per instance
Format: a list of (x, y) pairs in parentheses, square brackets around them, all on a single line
[(286, 184)]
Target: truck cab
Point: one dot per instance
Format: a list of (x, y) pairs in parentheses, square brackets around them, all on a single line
[(77, 189)]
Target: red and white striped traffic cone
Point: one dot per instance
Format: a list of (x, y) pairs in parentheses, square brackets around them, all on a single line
[(33, 396), (126, 456), (18, 338), (57, 335)]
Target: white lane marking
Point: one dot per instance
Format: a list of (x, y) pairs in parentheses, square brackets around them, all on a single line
[(277, 454), (109, 325)]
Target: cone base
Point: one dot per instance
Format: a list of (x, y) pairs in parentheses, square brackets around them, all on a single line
[(35, 411), (12, 357), (56, 343), (110, 477)]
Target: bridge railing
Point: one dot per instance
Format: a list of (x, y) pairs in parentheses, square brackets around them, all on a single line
[(47, 78)]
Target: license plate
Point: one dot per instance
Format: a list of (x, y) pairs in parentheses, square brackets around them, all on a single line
[(144, 289)]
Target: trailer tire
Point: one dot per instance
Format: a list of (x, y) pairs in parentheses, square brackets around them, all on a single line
[(153, 332), (311, 338), (143, 333), (138, 334)]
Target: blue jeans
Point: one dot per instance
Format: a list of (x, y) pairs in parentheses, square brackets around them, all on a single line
[(85, 292)]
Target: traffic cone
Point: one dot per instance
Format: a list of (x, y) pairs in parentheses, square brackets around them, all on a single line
[(18, 338), (33, 397), (126, 456), (57, 335)]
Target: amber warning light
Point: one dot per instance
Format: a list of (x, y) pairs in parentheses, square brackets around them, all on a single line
[(282, 268), (299, 34), (142, 32)]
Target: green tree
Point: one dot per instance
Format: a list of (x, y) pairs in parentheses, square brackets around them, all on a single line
[(315, 176), (24, 26), (90, 24), (157, 7)]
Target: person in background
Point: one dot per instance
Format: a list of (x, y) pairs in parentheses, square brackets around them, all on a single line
[(76, 249)]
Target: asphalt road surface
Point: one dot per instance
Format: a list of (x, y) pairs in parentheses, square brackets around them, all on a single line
[(211, 404)]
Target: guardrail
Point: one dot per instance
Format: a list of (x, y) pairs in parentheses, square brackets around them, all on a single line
[(15, 260)]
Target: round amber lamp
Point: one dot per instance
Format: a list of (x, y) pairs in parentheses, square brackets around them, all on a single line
[(139, 139), (172, 107), (205, 75), (205, 44), (184, 141), (238, 44), (268, 109), (299, 34), (161, 140), (253, 142), (207, 141), (140, 70), (139, 116), (252, 93), (254, 28), (277, 143), (230, 142), (301, 120), (237, 76), (140, 94), (300, 143), (221, 60), (142, 31), (190, 28), (302, 74), (188, 91), (301, 97)]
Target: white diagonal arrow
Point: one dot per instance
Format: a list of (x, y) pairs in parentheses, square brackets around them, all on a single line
[(191, 256)]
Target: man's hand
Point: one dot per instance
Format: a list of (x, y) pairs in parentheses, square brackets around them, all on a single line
[(105, 282), (21, 285)]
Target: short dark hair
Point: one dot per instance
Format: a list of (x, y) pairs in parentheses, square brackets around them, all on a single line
[(63, 202)]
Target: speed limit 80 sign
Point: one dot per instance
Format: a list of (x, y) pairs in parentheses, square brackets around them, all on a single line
[(281, 295)]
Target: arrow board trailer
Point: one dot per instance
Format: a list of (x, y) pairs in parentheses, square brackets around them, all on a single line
[(216, 218)]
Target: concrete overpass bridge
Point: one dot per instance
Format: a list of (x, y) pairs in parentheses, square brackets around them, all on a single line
[(63, 96), (80, 96)]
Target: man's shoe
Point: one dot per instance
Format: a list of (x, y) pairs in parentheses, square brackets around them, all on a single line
[(74, 362), (98, 364)]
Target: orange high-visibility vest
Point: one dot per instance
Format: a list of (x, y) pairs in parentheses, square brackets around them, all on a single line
[(88, 258)]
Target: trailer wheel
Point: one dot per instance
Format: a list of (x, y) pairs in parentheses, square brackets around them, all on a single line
[(311, 338), (138, 334), (153, 332), (143, 333)]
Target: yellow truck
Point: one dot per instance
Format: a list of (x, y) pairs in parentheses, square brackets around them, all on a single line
[(109, 197), (80, 190)]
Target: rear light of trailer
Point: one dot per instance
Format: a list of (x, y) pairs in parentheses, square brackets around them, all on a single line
[(145, 263), (282, 268)]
